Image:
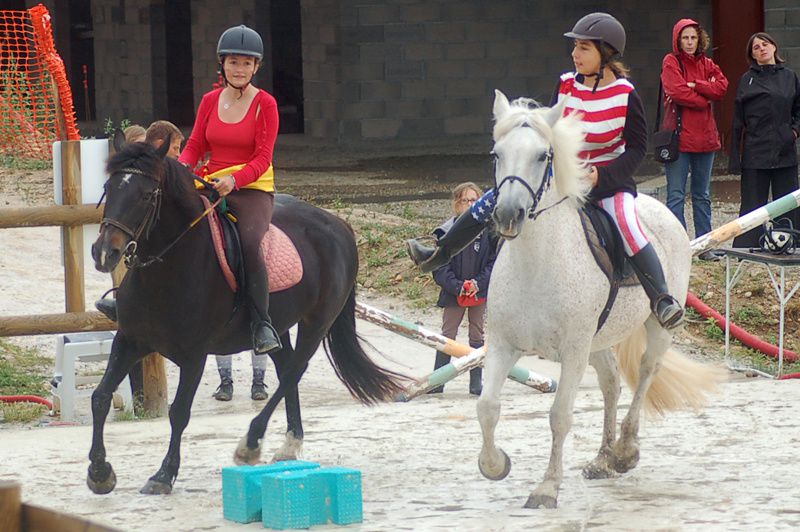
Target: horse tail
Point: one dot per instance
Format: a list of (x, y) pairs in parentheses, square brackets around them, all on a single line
[(366, 381), (679, 382)]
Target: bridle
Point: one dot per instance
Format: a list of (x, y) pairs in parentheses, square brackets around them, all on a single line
[(547, 178), (149, 220)]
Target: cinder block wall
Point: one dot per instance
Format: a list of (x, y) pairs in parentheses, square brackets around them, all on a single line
[(423, 69)]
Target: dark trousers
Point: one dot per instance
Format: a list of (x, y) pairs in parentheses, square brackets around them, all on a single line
[(755, 188), (451, 319), (253, 208)]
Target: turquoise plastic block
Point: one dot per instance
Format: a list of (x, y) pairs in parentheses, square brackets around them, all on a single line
[(286, 500), (344, 489), (241, 488)]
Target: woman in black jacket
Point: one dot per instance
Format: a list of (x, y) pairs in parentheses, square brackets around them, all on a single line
[(766, 125)]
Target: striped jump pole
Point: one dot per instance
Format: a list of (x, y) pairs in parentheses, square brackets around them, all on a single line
[(722, 234), (464, 357)]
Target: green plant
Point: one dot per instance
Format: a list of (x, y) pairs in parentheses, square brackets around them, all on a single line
[(749, 314), (22, 370), (22, 412), (109, 127), (713, 332)]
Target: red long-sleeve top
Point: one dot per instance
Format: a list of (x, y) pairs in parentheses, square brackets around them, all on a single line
[(250, 141)]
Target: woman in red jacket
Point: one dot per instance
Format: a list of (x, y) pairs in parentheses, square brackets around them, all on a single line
[(236, 126), (692, 82)]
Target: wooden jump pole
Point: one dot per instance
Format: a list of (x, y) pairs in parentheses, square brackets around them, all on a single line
[(447, 346), (54, 324)]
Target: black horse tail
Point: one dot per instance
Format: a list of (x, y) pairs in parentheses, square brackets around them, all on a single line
[(366, 381)]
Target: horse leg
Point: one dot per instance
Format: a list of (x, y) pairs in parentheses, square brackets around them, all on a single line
[(293, 444), (573, 365), (249, 449), (605, 364), (493, 462), (101, 478), (191, 373), (626, 449)]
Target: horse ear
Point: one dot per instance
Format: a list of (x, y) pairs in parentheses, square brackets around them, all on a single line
[(555, 112), (501, 105), (162, 150), (119, 139)]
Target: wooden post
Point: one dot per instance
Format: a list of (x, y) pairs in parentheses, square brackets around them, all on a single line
[(72, 236), (10, 507)]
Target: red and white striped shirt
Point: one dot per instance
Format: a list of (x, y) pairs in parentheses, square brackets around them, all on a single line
[(603, 116)]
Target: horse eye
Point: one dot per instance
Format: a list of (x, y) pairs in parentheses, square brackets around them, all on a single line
[(542, 157)]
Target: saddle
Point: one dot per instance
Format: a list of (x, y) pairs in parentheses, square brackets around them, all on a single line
[(608, 251), (284, 267)]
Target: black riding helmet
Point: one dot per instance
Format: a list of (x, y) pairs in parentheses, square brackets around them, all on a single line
[(240, 40), (603, 29)]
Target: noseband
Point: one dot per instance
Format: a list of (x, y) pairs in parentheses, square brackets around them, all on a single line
[(144, 227), (547, 178)]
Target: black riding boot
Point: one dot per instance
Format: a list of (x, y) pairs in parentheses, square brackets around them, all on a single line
[(108, 307), (461, 233), (475, 384), (666, 309), (441, 360), (265, 337)]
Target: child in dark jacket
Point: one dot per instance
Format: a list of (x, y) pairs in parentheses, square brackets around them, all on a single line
[(465, 282)]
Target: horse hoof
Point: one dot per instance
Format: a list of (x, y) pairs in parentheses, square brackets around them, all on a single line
[(488, 473), (596, 471), (153, 487), (245, 455), (540, 501), (101, 487)]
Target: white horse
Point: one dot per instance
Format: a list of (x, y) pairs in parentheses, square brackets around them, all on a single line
[(547, 293)]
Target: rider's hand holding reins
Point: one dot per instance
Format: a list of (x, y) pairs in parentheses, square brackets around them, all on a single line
[(225, 185)]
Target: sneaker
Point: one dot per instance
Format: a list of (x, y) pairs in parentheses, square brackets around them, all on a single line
[(224, 390)]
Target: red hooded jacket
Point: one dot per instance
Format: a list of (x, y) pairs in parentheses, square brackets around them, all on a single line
[(699, 130)]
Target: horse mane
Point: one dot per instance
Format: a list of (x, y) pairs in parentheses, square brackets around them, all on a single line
[(175, 178), (566, 137)]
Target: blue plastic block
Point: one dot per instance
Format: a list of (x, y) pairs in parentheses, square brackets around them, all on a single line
[(286, 500), (344, 489), (241, 488)]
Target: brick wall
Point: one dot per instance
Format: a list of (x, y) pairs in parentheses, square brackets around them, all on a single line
[(423, 69)]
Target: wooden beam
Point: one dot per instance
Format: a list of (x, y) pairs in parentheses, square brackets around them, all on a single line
[(51, 215), (54, 324), (38, 519)]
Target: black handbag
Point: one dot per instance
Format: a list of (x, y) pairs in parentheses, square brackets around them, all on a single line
[(666, 142)]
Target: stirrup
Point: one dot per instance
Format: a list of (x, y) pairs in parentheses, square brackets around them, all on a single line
[(108, 307), (672, 315), (265, 338)]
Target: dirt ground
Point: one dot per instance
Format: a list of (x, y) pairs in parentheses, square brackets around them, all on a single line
[(728, 468)]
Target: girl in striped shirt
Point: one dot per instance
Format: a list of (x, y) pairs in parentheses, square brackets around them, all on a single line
[(615, 144)]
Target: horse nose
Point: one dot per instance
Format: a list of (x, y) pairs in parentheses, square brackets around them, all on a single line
[(105, 257)]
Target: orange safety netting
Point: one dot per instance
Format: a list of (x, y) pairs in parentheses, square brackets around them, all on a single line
[(35, 99)]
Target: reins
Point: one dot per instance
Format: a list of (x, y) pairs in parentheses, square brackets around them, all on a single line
[(146, 225)]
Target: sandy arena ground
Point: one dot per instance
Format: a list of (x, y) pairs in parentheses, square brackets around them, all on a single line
[(730, 468)]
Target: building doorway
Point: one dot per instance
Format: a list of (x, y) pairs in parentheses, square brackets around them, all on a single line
[(287, 63)]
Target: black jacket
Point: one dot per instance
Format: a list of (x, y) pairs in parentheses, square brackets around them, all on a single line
[(474, 262), (766, 114)]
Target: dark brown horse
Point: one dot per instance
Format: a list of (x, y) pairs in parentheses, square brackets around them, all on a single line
[(180, 305)]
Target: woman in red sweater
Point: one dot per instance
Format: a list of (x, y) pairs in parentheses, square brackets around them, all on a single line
[(236, 127)]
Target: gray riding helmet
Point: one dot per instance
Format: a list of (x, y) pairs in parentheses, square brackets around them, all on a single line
[(240, 40), (600, 27)]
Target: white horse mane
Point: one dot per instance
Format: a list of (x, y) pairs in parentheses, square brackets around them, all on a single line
[(565, 136)]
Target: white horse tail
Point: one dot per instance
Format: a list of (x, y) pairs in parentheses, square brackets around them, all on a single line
[(679, 383)]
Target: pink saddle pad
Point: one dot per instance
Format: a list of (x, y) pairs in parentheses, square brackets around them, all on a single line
[(279, 253)]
